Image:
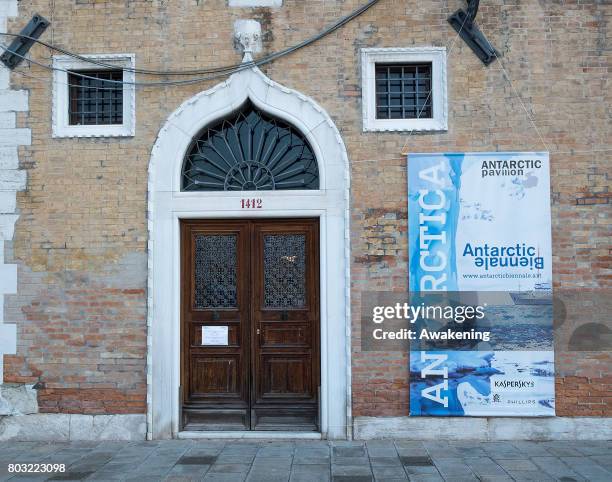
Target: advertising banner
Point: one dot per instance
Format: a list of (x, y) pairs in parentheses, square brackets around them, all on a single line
[(480, 243)]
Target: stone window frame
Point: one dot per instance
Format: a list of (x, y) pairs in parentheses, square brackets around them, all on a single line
[(404, 55), (61, 125)]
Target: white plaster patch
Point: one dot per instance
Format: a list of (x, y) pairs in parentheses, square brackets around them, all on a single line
[(8, 279), (10, 137), (13, 100), (8, 158), (7, 224), (8, 8), (12, 180), (8, 338), (7, 120), (5, 75), (8, 200)]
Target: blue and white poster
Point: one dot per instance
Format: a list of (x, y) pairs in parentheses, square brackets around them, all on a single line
[(480, 231)]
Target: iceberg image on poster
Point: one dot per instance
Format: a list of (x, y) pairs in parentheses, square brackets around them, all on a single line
[(480, 223), (480, 383)]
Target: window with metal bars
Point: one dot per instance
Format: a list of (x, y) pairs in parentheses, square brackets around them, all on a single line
[(403, 91), (95, 101)]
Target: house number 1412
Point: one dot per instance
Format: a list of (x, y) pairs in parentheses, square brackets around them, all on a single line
[(251, 203)]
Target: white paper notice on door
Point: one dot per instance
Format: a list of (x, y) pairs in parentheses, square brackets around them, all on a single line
[(215, 335)]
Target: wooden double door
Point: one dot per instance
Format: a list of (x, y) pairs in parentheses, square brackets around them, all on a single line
[(250, 325)]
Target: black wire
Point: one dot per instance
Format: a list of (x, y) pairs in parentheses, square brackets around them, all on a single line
[(226, 70), (246, 65)]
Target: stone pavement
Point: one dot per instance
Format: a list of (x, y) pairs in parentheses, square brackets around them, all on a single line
[(271, 461)]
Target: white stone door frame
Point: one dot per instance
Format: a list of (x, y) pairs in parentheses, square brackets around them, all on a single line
[(167, 205)]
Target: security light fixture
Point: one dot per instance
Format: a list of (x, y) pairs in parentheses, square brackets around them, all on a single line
[(463, 23), (15, 53)]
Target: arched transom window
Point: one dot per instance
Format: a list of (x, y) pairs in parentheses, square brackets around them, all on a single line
[(250, 151)]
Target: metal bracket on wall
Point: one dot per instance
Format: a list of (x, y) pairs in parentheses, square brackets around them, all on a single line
[(463, 23), (15, 53)]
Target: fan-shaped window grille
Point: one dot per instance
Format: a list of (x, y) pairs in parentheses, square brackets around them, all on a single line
[(250, 151)]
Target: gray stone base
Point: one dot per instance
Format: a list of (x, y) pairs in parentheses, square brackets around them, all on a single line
[(473, 428), (64, 427)]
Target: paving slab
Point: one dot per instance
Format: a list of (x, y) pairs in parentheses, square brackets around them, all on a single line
[(516, 464), (230, 468), (453, 468), (305, 473), (420, 470), (485, 467), (389, 472), (351, 461), (525, 475), (587, 468), (554, 467), (385, 461), (217, 477), (311, 460)]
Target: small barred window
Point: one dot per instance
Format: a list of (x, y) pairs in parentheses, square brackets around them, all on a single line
[(96, 99), (403, 91)]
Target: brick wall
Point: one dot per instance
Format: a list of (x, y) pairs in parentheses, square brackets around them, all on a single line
[(81, 239)]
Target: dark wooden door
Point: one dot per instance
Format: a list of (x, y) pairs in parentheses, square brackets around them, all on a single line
[(250, 324)]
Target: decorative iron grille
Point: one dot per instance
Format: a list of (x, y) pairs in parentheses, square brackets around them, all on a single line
[(95, 101), (250, 151), (284, 271), (215, 271), (403, 91)]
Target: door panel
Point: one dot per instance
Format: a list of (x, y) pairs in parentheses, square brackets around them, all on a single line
[(215, 376), (297, 334), (286, 376), (259, 280), (285, 317), (215, 293)]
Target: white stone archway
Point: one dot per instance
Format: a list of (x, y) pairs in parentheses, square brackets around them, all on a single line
[(167, 205)]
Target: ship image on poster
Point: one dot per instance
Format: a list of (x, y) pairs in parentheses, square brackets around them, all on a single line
[(479, 227)]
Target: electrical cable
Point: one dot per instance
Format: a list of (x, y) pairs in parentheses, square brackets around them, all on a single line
[(246, 65), (226, 70), (450, 49)]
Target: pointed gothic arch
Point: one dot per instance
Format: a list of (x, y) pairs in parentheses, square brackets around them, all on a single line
[(168, 203)]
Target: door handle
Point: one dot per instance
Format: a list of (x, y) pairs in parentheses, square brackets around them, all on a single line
[(258, 332)]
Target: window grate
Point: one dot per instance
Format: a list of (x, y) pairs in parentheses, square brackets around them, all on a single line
[(95, 101), (403, 91)]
